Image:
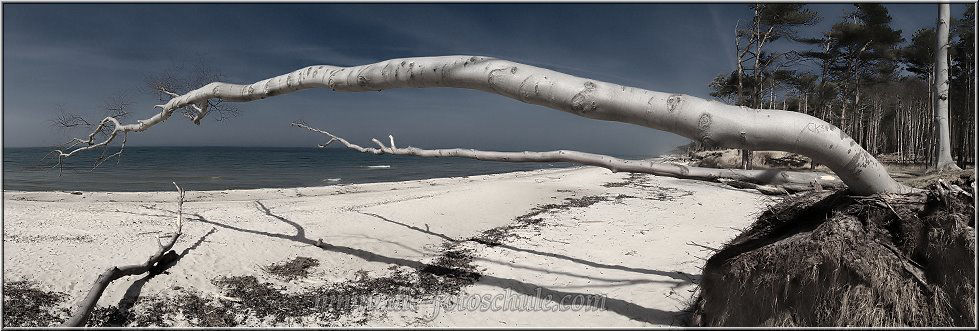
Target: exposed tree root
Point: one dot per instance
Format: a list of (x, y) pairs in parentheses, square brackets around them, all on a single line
[(162, 256), (828, 259)]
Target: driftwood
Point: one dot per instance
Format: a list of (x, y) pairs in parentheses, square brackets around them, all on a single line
[(771, 182), (162, 256)]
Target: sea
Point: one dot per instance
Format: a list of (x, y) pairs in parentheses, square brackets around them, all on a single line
[(223, 168)]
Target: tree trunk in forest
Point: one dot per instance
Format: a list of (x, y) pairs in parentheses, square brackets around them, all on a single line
[(745, 154), (710, 122), (943, 159), (746, 159)]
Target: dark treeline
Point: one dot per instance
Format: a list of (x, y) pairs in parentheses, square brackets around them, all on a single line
[(861, 76)]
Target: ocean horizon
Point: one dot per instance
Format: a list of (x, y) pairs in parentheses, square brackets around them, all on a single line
[(225, 167)]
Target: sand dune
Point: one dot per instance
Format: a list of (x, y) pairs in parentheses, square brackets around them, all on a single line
[(638, 241)]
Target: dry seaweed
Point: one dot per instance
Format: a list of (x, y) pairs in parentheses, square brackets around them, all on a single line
[(25, 305), (293, 269), (498, 235)]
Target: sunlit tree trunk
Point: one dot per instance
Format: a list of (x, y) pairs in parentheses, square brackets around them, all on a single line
[(943, 149), (709, 122)]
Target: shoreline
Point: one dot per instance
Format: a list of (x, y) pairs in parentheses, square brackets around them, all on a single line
[(227, 168), (579, 230), (328, 183), (275, 193)]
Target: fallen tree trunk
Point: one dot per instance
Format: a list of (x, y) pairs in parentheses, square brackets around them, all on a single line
[(765, 181), (84, 307), (710, 122)]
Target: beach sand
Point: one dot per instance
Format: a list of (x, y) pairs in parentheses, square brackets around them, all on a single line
[(640, 241)]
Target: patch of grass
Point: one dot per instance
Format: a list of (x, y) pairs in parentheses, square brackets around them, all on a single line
[(24, 305)]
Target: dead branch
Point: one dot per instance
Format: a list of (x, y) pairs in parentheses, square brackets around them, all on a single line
[(765, 181), (712, 249), (167, 85), (157, 260)]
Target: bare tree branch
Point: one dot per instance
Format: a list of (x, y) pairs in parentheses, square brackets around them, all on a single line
[(85, 306), (68, 119), (166, 84), (765, 181)]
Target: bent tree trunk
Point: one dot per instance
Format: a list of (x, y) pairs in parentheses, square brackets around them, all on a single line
[(944, 159), (710, 122)]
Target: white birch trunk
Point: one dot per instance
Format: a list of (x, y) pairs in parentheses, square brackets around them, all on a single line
[(710, 122), (944, 149)]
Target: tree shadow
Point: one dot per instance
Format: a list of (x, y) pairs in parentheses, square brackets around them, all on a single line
[(618, 306), (300, 237), (684, 277), (625, 308), (144, 214), (425, 231), (300, 231), (616, 281), (132, 294), (681, 276), (389, 242)]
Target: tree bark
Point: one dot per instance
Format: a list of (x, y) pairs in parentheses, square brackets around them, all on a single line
[(710, 122), (944, 150)]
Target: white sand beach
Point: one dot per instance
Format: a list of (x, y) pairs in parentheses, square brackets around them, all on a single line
[(639, 245)]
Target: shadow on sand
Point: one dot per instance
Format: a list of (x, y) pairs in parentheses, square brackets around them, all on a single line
[(131, 296), (625, 308), (679, 276)]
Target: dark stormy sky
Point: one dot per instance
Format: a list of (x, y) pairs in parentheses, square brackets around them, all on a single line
[(77, 55)]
